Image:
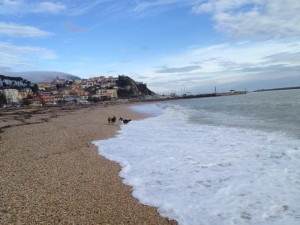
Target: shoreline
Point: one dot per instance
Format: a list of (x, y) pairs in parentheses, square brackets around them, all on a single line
[(51, 172)]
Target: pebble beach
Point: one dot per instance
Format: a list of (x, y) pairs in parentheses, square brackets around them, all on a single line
[(50, 173)]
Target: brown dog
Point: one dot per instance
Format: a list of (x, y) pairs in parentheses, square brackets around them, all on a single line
[(111, 120)]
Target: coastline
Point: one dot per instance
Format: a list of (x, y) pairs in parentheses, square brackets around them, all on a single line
[(51, 172)]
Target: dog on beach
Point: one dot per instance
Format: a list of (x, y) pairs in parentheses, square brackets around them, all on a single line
[(125, 121), (111, 120)]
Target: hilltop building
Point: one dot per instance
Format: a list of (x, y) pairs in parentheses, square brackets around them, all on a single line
[(107, 93)]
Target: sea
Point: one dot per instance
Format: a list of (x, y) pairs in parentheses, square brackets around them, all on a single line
[(215, 161)]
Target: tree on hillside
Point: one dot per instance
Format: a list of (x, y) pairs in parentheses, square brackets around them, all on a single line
[(26, 82), (26, 102), (35, 88)]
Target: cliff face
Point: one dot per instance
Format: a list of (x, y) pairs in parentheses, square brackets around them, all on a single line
[(128, 88)]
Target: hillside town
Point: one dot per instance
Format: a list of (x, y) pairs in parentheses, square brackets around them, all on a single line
[(15, 91)]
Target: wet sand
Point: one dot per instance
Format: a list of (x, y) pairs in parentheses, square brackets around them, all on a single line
[(50, 173)]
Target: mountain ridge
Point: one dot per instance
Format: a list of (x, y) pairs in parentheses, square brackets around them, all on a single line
[(41, 76)]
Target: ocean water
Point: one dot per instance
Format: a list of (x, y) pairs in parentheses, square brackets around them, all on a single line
[(215, 161)]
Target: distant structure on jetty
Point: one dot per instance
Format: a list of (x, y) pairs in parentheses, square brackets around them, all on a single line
[(217, 94), (208, 95)]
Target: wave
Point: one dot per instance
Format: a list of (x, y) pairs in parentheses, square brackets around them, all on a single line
[(208, 174)]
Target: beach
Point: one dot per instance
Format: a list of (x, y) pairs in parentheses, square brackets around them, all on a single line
[(52, 174)]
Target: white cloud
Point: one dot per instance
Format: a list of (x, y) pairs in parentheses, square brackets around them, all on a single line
[(232, 57), (254, 19), (10, 6), (227, 64), (81, 7), (145, 5), (26, 6), (15, 56), (68, 7), (178, 69), (17, 30), (49, 7)]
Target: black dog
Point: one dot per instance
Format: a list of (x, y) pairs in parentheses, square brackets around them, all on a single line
[(124, 120)]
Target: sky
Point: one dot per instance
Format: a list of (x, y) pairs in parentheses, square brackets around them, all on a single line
[(181, 46)]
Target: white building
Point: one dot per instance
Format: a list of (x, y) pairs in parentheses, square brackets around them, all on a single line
[(12, 96)]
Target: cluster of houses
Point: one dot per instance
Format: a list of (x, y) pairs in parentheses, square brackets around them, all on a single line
[(62, 91)]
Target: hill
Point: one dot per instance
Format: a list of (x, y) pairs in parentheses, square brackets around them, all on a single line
[(128, 88), (41, 76)]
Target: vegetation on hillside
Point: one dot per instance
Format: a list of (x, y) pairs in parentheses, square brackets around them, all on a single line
[(128, 88)]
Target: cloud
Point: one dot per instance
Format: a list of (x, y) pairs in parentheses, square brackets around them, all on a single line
[(276, 70), (178, 69), (69, 7), (146, 5), (13, 56), (17, 30), (286, 57), (22, 7), (151, 8), (227, 64), (78, 8), (233, 57), (263, 77), (49, 7), (253, 19), (10, 6)]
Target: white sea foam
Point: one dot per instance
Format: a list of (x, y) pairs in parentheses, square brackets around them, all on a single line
[(207, 174)]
